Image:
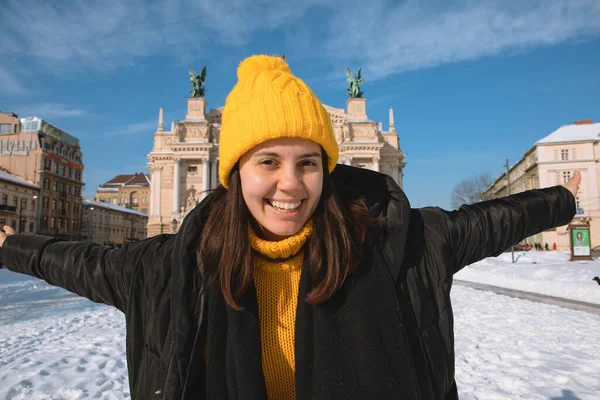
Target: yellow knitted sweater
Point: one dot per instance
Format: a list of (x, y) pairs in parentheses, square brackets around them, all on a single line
[(277, 268)]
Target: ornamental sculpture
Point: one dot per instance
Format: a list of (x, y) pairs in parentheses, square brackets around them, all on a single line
[(354, 81), (197, 82)]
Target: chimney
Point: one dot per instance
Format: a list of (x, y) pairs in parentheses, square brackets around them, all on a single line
[(584, 122)]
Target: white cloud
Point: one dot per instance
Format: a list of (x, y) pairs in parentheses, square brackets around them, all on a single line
[(382, 36), (51, 110), (385, 39)]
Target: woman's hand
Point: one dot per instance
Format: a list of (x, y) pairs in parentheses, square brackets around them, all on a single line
[(7, 231), (573, 184)]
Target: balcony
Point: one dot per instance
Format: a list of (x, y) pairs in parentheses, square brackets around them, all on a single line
[(6, 207)]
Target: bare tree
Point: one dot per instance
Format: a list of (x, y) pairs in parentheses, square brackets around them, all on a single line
[(470, 190)]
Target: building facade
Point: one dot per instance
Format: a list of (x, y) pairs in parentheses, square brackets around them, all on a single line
[(19, 204), (131, 191), (111, 225), (51, 159), (184, 160), (551, 161)]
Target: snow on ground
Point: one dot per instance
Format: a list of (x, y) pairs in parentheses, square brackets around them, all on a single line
[(54, 345), (546, 272)]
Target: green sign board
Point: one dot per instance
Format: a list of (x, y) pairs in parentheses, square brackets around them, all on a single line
[(581, 242)]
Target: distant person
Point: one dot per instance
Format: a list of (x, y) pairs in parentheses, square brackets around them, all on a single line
[(554, 246), (546, 247), (297, 278)]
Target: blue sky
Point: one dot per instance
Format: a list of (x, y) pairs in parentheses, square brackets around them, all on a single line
[(471, 82)]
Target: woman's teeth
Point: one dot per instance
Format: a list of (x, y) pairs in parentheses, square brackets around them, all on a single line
[(286, 206)]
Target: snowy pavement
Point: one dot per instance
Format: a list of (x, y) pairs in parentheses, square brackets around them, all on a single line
[(545, 272), (54, 345)]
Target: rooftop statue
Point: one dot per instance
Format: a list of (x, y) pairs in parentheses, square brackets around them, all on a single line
[(354, 82), (197, 82)]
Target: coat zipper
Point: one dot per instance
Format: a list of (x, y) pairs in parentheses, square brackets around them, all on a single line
[(162, 389)]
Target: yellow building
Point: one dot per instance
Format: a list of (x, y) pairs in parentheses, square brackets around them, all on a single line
[(18, 203), (550, 162), (112, 225), (131, 191)]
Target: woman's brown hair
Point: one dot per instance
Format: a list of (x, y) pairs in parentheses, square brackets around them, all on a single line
[(340, 222)]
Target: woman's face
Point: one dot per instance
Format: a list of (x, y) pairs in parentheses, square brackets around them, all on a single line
[(282, 181)]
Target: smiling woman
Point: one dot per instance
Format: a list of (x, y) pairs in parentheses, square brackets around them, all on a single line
[(297, 278)]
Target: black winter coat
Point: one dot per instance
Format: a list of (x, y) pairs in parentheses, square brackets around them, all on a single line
[(387, 334)]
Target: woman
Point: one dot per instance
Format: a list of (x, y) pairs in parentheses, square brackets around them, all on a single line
[(297, 278)]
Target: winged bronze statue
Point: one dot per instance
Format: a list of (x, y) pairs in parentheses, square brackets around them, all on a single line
[(354, 82), (198, 88)]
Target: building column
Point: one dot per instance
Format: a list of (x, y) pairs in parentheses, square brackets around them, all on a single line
[(176, 183), (376, 164), (213, 174), (205, 176), (155, 191)]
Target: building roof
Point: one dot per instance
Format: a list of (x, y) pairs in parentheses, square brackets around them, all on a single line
[(8, 177), (37, 124), (137, 179), (578, 132), (110, 206)]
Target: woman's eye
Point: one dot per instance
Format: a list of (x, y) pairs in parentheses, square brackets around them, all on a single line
[(268, 162), (309, 163)]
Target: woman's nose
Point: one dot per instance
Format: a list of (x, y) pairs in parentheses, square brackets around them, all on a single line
[(290, 178)]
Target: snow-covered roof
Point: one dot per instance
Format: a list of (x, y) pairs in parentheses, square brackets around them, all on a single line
[(573, 133), (7, 176), (110, 206)]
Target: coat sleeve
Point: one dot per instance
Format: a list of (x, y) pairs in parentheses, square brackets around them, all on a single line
[(488, 228), (99, 273)]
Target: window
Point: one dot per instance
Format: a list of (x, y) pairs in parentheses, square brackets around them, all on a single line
[(62, 170), (52, 223), (32, 205), (6, 128), (192, 168), (68, 189), (564, 154), (46, 204), (566, 176), (135, 200), (4, 200), (23, 204), (67, 206), (54, 205), (47, 165), (62, 222), (45, 222), (46, 183), (62, 188), (55, 186), (55, 167), (15, 201), (31, 227), (70, 172)]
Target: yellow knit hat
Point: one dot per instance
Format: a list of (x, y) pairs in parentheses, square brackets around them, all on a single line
[(269, 102)]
